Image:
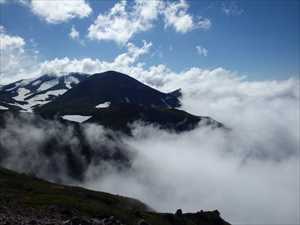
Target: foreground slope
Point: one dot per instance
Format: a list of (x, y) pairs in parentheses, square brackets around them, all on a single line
[(28, 200)]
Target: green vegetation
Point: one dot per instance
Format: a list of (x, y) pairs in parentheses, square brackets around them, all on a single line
[(20, 190)]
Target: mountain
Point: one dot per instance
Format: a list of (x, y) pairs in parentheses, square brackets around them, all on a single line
[(28, 94), (112, 99), (28, 200), (108, 88), (116, 100), (120, 117)]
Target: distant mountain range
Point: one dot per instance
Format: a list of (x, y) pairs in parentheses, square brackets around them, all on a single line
[(112, 99)]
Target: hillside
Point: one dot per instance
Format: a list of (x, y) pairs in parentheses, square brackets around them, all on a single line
[(28, 200)]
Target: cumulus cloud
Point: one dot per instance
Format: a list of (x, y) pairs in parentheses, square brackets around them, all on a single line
[(122, 62), (24, 63), (9, 41), (140, 17), (201, 50), (59, 11), (110, 25), (15, 59), (177, 17)]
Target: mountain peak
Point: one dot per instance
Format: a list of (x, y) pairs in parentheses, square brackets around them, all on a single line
[(109, 87)]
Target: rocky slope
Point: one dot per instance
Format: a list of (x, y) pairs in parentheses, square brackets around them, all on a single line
[(31, 201)]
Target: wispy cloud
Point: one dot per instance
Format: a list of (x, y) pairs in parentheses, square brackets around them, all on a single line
[(201, 50), (231, 8), (75, 35)]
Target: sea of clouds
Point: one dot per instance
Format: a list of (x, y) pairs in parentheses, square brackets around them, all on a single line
[(250, 173)]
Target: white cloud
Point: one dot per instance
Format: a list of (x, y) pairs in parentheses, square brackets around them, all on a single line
[(15, 60), (231, 8), (201, 50), (10, 42), (255, 165), (74, 34), (140, 17), (120, 25), (53, 11), (123, 62), (132, 54), (176, 16), (237, 172), (203, 23)]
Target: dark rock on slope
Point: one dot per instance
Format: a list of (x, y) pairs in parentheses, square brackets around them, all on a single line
[(31, 201)]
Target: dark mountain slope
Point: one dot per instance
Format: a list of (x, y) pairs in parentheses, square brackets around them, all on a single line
[(116, 100), (28, 200), (113, 87), (120, 117)]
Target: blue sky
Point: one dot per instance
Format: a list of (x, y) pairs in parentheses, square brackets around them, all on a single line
[(259, 39)]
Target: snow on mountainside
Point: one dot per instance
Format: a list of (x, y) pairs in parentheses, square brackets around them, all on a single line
[(102, 90), (112, 99), (25, 95), (76, 118)]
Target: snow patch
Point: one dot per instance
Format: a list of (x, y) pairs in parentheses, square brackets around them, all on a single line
[(71, 80), (76, 118), (12, 88), (37, 82), (39, 99), (127, 100), (103, 105), (3, 107), (44, 96), (22, 92), (48, 84)]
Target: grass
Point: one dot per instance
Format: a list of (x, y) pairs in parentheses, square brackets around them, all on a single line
[(30, 192)]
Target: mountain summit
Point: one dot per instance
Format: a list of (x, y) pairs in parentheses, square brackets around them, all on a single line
[(109, 88), (112, 99)]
